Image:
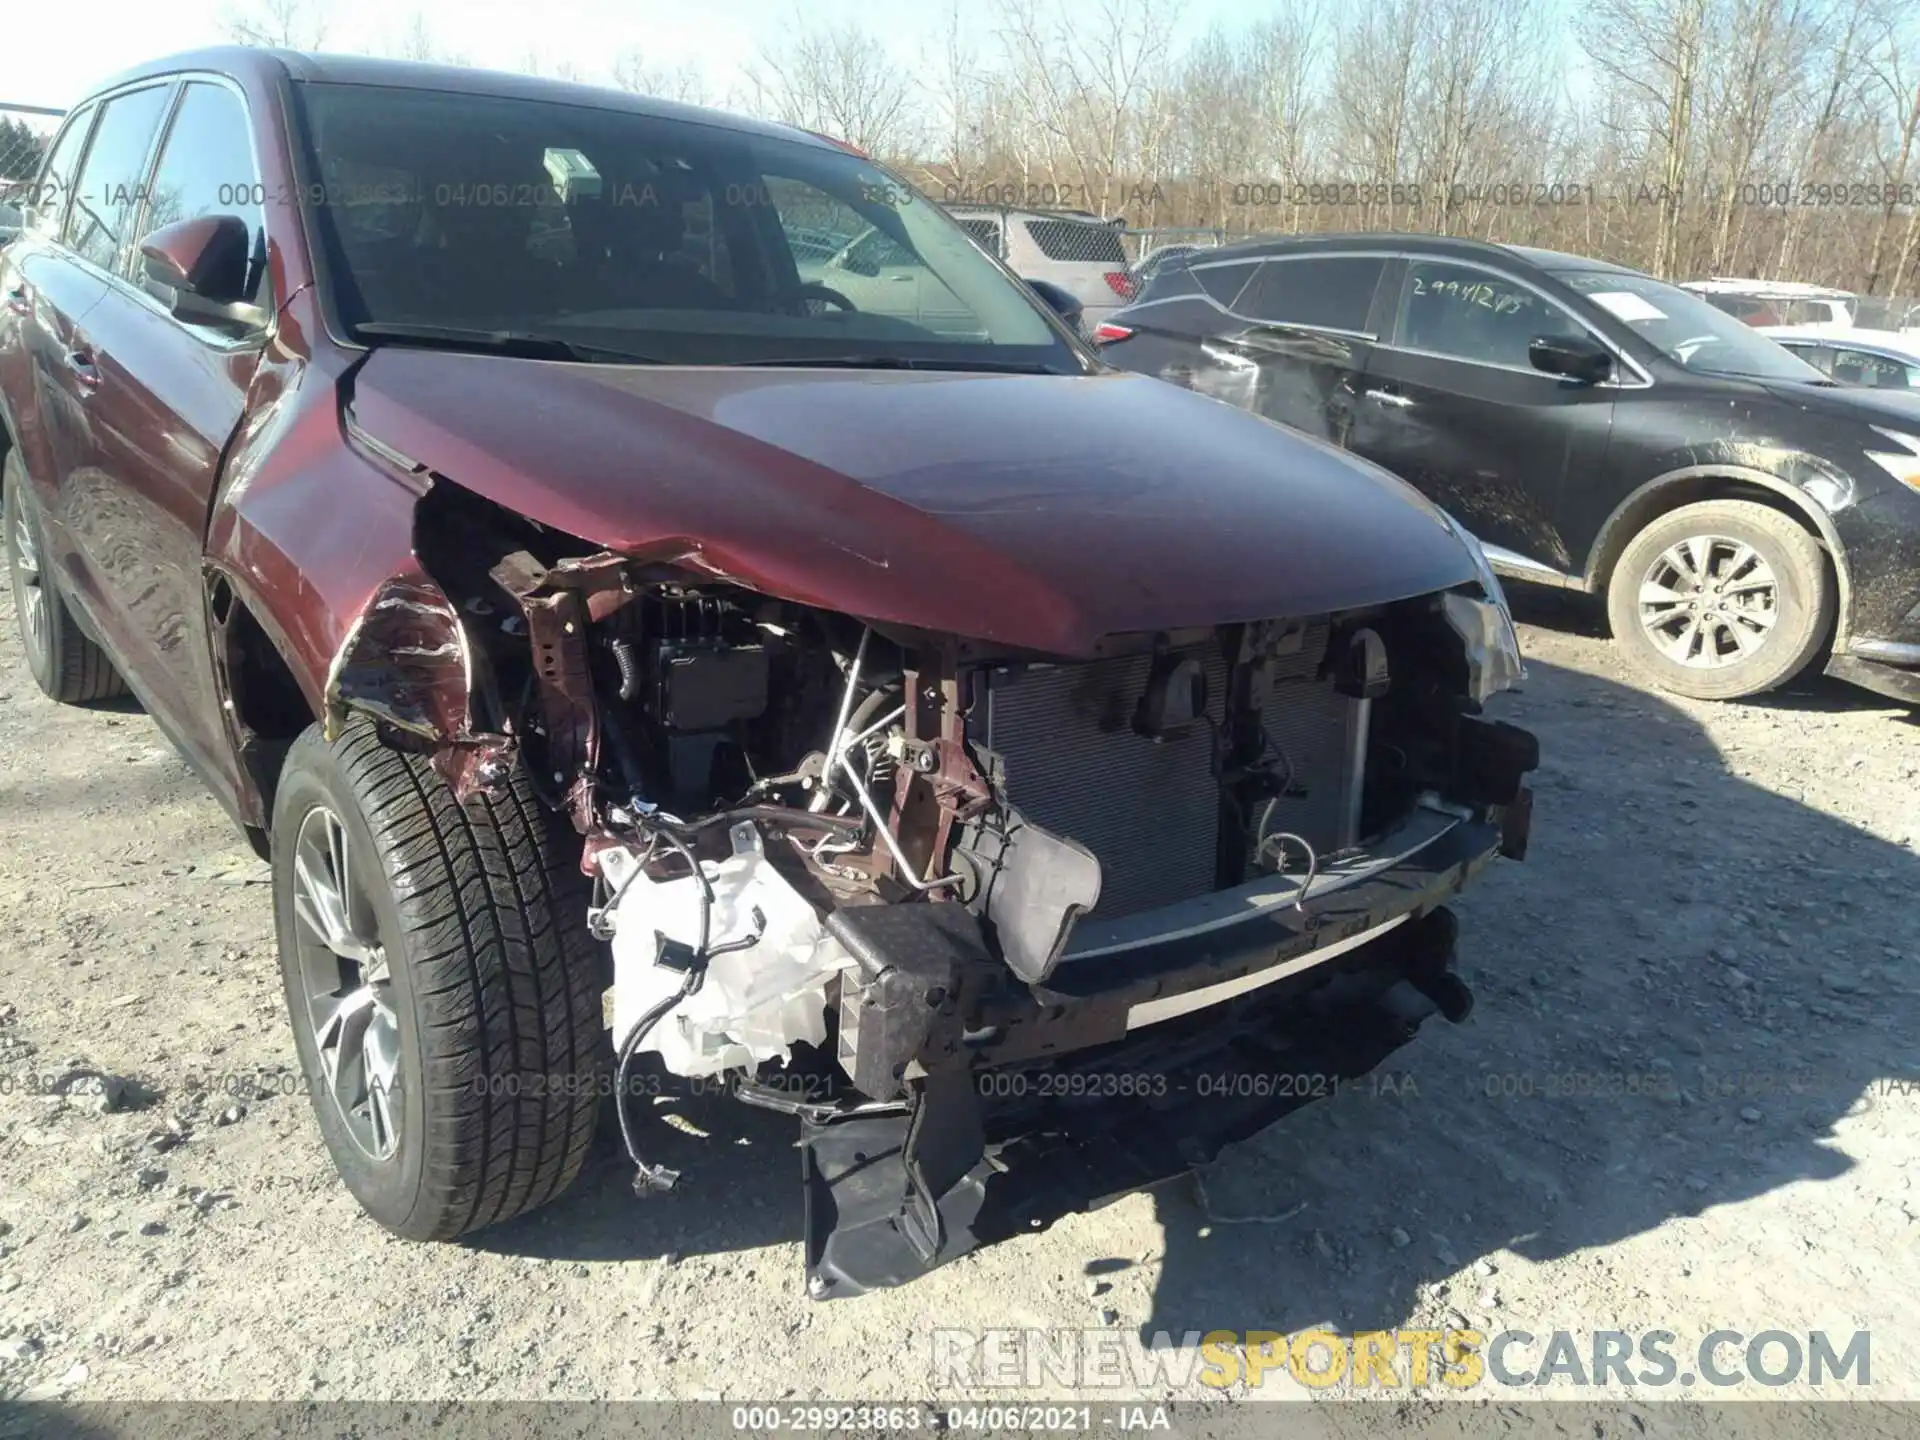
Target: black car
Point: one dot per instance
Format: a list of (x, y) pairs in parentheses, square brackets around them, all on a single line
[(1597, 429)]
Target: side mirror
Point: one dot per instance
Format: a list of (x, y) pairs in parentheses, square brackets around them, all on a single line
[(1061, 302), (201, 265), (1578, 357)]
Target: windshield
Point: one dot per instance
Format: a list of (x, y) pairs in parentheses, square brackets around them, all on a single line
[(1686, 329), (669, 240)]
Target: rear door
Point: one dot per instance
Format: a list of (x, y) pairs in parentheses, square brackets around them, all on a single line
[(167, 398), (1308, 338), (105, 197), (45, 295), (1451, 403)]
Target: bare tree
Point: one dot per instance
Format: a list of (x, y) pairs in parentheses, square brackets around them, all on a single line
[(279, 24), (1683, 140), (685, 83), (1370, 111), (1894, 82), (1654, 53), (960, 103), (1089, 89), (417, 41), (534, 62), (1837, 96), (841, 81)]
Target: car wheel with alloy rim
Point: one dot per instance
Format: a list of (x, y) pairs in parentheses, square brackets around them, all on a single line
[(444, 992), (1721, 599)]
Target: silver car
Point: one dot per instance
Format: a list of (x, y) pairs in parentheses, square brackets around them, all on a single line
[(1076, 250)]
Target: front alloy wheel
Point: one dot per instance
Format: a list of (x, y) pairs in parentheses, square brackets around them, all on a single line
[(1708, 601), (444, 990), (1721, 599), (342, 962)]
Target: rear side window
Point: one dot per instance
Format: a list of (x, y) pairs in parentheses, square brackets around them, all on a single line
[(1882, 372), (50, 196), (206, 168), (1818, 356), (1810, 312), (1334, 293), (1749, 310), (1077, 240), (107, 194), (1224, 282)]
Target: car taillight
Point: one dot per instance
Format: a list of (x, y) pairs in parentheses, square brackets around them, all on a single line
[(1120, 283), (1106, 332)]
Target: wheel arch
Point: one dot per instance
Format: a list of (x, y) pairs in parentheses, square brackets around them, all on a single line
[(1694, 483), (264, 707)]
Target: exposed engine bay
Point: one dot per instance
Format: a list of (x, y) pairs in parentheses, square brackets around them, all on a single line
[(919, 869)]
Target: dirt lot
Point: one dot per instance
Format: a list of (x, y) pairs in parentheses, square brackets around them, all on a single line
[(1720, 898)]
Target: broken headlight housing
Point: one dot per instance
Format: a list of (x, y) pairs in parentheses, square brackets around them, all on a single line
[(1485, 626)]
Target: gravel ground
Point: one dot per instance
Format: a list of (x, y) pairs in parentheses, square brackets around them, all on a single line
[(1720, 898)]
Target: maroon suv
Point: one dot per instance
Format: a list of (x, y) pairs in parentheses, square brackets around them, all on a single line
[(593, 545)]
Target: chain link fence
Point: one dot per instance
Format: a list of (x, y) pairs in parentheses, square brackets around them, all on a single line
[(1888, 312), (25, 133)]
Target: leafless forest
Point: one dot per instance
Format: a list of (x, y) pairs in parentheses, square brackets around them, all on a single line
[(1687, 137)]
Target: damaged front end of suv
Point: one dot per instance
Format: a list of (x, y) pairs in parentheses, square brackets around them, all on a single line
[(1005, 929)]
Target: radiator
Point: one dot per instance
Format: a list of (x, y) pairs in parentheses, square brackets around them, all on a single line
[(1150, 811)]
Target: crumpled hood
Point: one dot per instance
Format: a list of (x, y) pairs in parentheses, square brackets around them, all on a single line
[(1039, 512)]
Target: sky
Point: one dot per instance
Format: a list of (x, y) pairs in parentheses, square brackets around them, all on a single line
[(52, 53)]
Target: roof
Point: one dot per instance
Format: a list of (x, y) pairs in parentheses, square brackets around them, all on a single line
[(1780, 289), (261, 66), (1386, 240), (1561, 260)]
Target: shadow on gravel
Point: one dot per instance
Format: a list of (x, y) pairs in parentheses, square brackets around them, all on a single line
[(1577, 613), (1685, 986), (1569, 610), (740, 1189)]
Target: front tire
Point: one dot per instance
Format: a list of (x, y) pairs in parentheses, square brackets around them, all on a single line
[(63, 659), (445, 994), (1721, 599)]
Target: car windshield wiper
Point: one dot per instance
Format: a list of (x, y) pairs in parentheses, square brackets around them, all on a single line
[(522, 344), (897, 362)]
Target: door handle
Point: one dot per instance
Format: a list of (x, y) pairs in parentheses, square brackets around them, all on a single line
[(1390, 397), (18, 302), (85, 372), (901, 279)]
